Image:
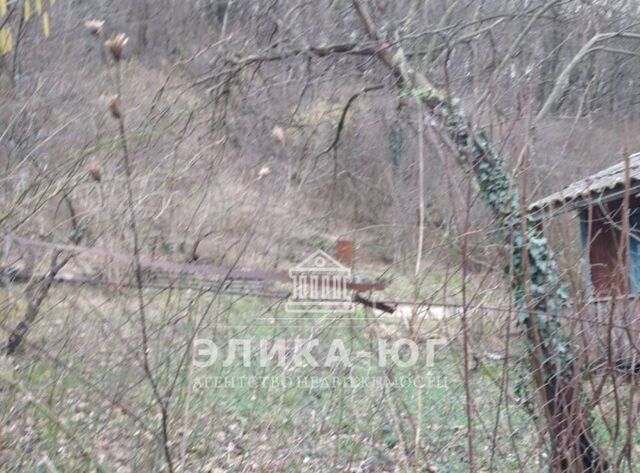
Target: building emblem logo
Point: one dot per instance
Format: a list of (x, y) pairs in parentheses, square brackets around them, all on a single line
[(320, 285)]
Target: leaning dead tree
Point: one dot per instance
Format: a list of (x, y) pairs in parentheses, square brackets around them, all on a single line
[(536, 282)]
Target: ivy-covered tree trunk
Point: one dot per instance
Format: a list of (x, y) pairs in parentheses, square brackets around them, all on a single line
[(535, 279)]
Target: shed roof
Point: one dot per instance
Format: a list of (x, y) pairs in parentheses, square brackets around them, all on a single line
[(603, 185)]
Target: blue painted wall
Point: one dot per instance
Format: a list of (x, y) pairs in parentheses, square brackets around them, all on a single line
[(634, 251)]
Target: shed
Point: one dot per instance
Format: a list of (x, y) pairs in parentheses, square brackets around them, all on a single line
[(598, 200)]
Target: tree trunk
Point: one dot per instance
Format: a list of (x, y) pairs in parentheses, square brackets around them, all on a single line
[(35, 294), (535, 275)]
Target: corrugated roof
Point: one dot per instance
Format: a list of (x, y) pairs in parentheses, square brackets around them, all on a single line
[(596, 186)]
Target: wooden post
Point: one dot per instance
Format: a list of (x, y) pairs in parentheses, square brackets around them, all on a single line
[(344, 252)]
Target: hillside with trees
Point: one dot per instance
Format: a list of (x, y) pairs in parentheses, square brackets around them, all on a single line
[(167, 165)]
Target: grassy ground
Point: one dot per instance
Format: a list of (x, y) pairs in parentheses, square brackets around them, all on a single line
[(84, 363)]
